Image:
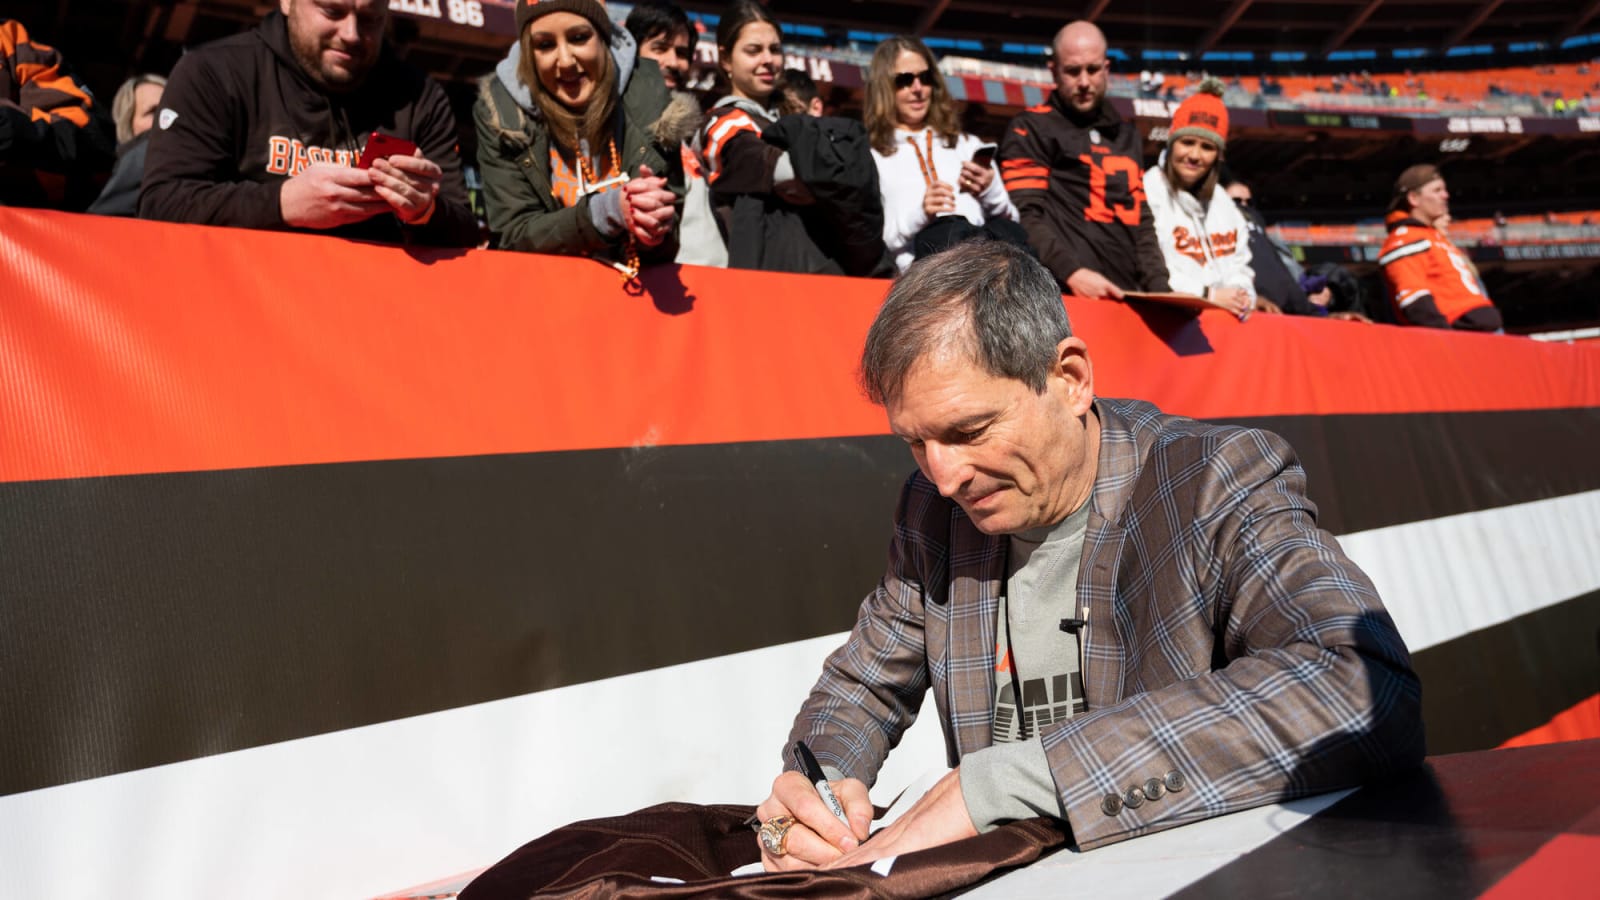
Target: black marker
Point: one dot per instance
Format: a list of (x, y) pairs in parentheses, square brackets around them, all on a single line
[(807, 762)]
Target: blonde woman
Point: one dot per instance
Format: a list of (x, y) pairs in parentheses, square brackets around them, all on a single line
[(578, 141), (134, 112)]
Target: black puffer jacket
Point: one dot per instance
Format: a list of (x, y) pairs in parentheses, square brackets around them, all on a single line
[(838, 230), (833, 159)]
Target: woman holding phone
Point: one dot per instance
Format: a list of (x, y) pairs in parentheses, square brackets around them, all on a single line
[(578, 141), (928, 169)]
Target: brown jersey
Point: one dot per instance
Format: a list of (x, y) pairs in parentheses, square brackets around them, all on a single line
[(1078, 187)]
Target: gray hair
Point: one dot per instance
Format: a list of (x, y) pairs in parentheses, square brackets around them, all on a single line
[(990, 299)]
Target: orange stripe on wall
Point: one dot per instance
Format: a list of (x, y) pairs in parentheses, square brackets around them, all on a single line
[(1580, 723), (131, 346), (1567, 866)]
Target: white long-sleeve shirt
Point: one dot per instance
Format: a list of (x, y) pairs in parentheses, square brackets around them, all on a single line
[(901, 183), (1204, 247)]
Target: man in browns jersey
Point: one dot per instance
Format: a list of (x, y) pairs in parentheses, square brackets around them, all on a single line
[(1072, 166), (1431, 282)]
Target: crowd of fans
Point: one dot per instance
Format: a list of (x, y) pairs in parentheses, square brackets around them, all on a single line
[(586, 145)]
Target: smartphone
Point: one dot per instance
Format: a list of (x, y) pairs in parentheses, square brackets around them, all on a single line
[(382, 146), (984, 155)]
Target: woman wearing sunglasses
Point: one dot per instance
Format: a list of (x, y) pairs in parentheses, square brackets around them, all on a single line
[(928, 169)]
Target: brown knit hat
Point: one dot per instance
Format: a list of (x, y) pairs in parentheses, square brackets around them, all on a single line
[(593, 10), (1412, 179), (1202, 116)]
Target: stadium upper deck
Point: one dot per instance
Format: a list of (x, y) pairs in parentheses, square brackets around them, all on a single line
[(460, 39)]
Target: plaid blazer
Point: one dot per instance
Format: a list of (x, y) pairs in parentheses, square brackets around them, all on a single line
[(1234, 656)]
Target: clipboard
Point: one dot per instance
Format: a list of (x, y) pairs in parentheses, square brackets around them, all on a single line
[(1173, 298), (1182, 301)]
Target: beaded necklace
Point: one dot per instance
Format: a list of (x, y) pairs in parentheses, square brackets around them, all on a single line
[(629, 267)]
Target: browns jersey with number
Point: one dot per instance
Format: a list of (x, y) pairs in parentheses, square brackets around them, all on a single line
[(1078, 186), (1431, 282)]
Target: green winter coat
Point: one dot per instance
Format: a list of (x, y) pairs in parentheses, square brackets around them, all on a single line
[(514, 160)]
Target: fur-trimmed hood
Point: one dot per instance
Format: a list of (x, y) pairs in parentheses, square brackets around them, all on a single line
[(680, 122)]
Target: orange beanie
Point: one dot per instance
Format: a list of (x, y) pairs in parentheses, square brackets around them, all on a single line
[(1202, 116)]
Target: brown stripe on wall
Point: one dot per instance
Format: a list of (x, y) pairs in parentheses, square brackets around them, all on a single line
[(1486, 687), (1368, 472), (153, 618)]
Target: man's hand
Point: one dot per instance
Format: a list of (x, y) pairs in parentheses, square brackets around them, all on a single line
[(818, 837), (938, 818), (1091, 284), (1267, 306), (938, 200), (327, 196), (975, 179), (1322, 297), (410, 185), (647, 205)]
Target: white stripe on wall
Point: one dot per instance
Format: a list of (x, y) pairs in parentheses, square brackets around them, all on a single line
[(366, 811), (1448, 577), (1155, 865), (370, 810)]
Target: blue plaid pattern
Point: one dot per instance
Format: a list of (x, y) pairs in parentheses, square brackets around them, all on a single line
[(1229, 639)]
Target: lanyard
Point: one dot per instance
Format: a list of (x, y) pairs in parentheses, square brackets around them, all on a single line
[(929, 173), (588, 182)]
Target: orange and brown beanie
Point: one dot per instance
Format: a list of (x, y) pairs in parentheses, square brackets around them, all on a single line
[(1202, 116), (593, 10)]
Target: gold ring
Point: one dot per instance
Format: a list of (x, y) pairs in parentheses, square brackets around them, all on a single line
[(774, 835)]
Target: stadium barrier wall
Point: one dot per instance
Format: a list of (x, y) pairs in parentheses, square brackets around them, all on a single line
[(328, 568)]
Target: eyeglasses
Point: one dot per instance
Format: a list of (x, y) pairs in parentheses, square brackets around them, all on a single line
[(903, 80)]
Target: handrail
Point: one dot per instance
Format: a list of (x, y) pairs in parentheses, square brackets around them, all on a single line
[(1465, 233)]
